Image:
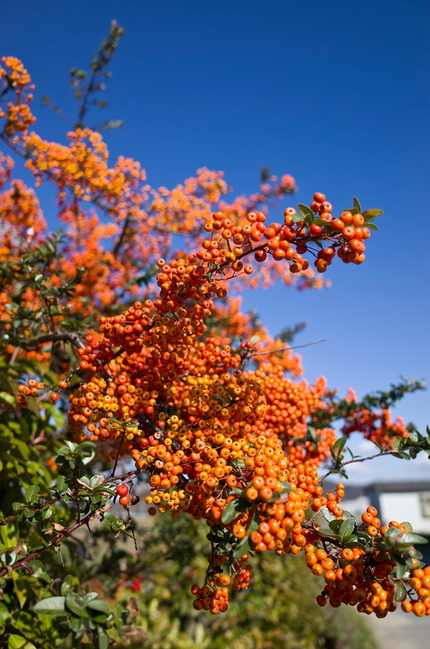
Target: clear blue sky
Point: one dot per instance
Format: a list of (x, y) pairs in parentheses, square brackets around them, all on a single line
[(335, 93)]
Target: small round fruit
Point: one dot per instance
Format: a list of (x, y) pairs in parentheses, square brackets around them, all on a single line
[(125, 500), (122, 490), (315, 230)]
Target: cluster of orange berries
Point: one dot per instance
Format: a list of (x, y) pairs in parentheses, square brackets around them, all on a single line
[(214, 600), (289, 406), (357, 578), (350, 226), (214, 596), (420, 582), (288, 241), (32, 388)]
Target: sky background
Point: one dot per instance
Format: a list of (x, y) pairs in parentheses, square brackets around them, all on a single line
[(334, 93)]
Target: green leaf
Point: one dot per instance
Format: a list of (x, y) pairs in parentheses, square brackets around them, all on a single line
[(233, 509), (99, 605), (5, 616), (411, 538), (401, 569), (77, 625), (399, 592), (6, 385), (102, 638), (305, 211), (7, 398), (61, 483), (296, 218), (21, 587), (31, 493), (371, 226), (66, 586), (243, 548), (285, 489), (339, 444), (51, 606), (47, 513), (407, 525), (326, 513), (19, 642), (327, 532), (371, 214), (74, 605), (347, 528), (336, 524), (392, 536), (108, 520), (357, 205)]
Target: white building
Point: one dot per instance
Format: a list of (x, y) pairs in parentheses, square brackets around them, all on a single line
[(395, 501)]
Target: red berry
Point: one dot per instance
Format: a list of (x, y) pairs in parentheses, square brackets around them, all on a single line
[(124, 500), (122, 490), (54, 396), (319, 197), (315, 230)]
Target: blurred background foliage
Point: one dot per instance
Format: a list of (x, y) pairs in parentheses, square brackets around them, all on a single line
[(277, 611)]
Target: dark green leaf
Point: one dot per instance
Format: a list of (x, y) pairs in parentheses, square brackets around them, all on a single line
[(401, 568), (233, 509)]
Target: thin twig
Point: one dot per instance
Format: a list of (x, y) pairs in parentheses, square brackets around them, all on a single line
[(283, 349), (361, 459), (117, 454)]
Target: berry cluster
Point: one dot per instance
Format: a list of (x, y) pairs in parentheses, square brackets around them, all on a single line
[(33, 388)]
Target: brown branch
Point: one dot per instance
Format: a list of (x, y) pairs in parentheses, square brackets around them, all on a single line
[(70, 337), (120, 241), (11, 519)]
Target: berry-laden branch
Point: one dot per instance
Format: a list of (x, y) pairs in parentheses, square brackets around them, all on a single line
[(161, 382)]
